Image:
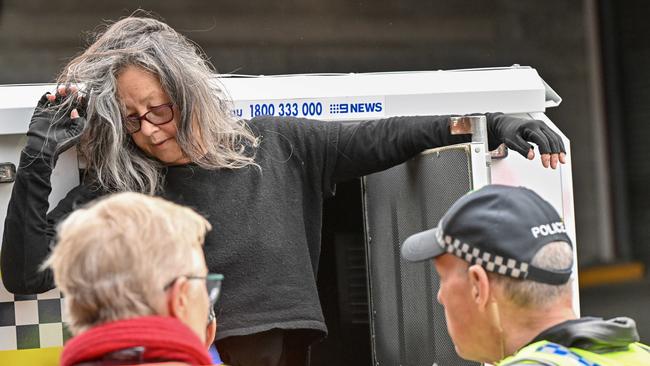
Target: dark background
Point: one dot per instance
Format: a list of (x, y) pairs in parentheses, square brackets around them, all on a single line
[(37, 38), (593, 53)]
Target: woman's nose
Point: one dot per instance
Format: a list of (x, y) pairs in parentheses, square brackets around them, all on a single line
[(147, 128)]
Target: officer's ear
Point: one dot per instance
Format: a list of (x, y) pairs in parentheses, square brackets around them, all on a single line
[(480, 286)]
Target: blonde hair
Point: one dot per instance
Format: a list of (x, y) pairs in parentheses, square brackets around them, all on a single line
[(530, 294), (114, 257), (208, 133)]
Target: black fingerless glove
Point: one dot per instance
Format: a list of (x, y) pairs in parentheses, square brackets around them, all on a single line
[(515, 132), (52, 130)]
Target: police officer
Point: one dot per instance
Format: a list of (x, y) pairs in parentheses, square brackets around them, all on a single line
[(505, 264)]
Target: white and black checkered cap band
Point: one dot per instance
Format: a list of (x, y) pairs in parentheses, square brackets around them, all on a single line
[(433, 243), (423, 245), (489, 261)]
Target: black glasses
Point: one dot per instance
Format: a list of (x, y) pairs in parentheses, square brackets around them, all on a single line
[(158, 115), (212, 284)]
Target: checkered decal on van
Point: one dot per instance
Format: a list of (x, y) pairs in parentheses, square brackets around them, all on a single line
[(31, 321)]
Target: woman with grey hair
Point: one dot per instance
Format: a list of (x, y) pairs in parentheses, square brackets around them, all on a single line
[(157, 122)]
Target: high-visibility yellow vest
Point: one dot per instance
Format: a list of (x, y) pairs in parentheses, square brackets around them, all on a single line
[(552, 354)]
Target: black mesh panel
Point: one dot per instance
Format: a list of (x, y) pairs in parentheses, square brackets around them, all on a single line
[(407, 323)]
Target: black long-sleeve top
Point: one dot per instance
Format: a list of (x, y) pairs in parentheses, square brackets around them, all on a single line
[(266, 222)]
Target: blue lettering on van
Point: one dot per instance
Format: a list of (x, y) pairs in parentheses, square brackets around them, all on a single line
[(346, 108)]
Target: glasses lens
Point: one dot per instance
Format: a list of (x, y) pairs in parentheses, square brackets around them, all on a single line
[(213, 284), (211, 314), (131, 124), (160, 114)]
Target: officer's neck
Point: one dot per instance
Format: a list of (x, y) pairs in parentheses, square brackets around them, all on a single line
[(522, 325)]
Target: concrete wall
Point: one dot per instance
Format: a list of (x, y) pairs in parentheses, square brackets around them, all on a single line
[(310, 36)]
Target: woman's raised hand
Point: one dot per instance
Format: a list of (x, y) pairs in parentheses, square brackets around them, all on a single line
[(57, 123)]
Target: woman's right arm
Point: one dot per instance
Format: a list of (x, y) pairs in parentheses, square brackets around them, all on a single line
[(29, 230)]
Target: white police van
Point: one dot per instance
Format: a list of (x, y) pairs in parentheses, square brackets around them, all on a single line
[(379, 310)]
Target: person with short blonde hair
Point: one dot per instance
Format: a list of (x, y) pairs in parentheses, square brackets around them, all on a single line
[(133, 274)]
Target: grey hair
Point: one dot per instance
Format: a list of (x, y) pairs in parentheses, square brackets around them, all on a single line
[(553, 256), (208, 133), (114, 256)]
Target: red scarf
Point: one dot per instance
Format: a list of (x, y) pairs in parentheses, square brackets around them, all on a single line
[(164, 339)]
